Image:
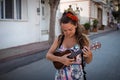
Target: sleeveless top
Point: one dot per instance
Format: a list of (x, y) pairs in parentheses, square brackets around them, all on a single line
[(72, 72)]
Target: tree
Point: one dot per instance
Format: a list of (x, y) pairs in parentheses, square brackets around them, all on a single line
[(53, 8), (116, 12)]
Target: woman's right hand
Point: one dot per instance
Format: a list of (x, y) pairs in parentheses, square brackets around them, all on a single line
[(66, 61)]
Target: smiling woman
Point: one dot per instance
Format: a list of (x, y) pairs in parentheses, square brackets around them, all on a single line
[(68, 29), (70, 38)]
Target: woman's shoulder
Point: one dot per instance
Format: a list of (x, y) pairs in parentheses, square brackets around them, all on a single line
[(60, 36), (58, 39)]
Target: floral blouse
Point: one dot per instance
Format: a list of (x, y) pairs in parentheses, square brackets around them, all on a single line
[(72, 72)]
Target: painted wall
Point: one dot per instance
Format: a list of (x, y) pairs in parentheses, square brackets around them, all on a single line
[(83, 6), (104, 17), (19, 32), (85, 10), (94, 12), (30, 29)]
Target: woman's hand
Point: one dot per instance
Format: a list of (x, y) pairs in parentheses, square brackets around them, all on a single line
[(66, 61), (87, 54)]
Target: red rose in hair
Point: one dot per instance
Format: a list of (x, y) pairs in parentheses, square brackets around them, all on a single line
[(73, 17)]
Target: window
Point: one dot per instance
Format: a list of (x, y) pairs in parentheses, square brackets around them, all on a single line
[(43, 11), (9, 14), (18, 9), (13, 9)]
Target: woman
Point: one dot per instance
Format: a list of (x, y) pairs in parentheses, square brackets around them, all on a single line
[(70, 38)]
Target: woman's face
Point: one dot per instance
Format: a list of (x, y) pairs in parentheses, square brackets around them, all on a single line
[(68, 29)]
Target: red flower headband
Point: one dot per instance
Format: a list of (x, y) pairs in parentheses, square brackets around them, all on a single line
[(73, 17)]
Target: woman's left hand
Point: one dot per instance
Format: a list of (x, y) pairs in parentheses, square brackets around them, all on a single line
[(87, 53)]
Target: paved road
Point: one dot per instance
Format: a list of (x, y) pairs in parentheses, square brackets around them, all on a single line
[(105, 64), (39, 70)]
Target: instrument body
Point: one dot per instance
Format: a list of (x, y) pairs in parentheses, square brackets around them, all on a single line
[(73, 54)]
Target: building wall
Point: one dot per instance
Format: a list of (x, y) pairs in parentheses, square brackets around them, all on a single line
[(104, 17), (83, 6), (19, 32), (84, 15), (94, 13), (93, 10), (44, 20), (35, 28)]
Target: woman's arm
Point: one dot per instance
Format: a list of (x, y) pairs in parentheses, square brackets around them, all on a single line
[(52, 49), (62, 59)]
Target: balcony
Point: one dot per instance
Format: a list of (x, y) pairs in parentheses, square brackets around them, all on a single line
[(103, 2)]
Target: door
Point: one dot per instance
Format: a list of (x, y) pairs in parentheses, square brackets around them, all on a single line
[(44, 19), (99, 17)]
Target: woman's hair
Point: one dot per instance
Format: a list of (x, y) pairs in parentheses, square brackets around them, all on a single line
[(69, 17)]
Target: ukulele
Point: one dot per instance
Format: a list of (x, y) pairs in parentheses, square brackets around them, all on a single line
[(73, 54)]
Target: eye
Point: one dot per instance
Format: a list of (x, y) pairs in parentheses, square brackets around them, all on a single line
[(64, 30), (70, 29)]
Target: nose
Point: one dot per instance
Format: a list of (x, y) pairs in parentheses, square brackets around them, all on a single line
[(68, 32)]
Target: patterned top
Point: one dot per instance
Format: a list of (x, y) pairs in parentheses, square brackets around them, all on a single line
[(72, 72)]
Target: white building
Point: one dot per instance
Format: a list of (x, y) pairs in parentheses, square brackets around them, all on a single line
[(23, 22), (89, 10), (27, 21)]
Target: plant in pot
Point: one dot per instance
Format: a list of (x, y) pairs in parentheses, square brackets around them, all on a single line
[(87, 27), (95, 23)]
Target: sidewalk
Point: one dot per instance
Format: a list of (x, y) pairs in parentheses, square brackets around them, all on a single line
[(21, 51), (25, 50)]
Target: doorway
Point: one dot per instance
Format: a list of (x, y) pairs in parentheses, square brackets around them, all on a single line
[(99, 16)]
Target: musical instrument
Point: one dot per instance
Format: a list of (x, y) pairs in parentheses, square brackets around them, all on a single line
[(73, 54)]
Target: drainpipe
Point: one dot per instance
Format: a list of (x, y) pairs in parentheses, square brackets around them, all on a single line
[(89, 10)]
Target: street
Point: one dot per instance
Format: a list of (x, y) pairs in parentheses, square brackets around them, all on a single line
[(104, 66)]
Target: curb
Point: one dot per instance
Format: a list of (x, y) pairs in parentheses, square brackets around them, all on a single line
[(23, 51)]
